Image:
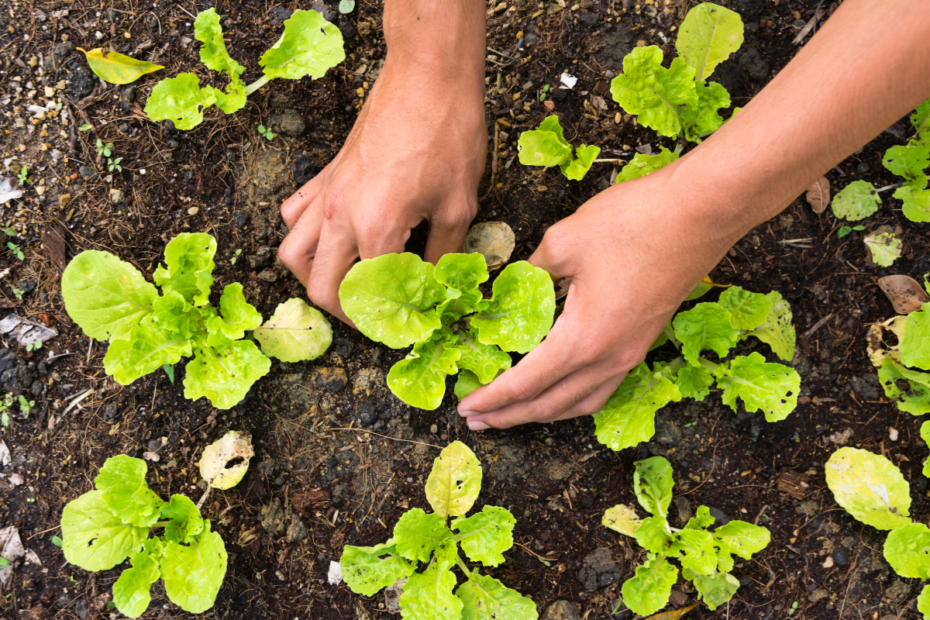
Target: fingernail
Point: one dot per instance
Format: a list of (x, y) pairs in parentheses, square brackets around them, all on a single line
[(478, 426), (465, 414)]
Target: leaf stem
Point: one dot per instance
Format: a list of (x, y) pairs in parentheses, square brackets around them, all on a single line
[(251, 88), (709, 365), (162, 524), (609, 161), (204, 497), (887, 187), (461, 565)]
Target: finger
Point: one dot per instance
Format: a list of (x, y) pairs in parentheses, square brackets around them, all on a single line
[(447, 229), (294, 207), (534, 374), (549, 406), (298, 248), (334, 257), (552, 254), (595, 401), (377, 238)]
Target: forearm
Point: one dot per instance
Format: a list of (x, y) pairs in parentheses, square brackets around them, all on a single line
[(445, 39), (867, 67)]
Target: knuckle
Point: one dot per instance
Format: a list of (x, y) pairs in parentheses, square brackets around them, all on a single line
[(322, 297), (288, 253)]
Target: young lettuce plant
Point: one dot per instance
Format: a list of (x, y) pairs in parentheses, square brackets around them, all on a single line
[(706, 557), (679, 101), (872, 489), (861, 199), (400, 300), (548, 147), (451, 489), (900, 365), (111, 300), (628, 418), (310, 46), (103, 527)]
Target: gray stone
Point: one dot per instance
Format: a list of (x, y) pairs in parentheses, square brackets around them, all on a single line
[(269, 275), (720, 517), (807, 508), (273, 517), (111, 412), (331, 379), (261, 258), (15, 375), (305, 167), (325, 10), (684, 509), (127, 96), (60, 53), (599, 570), (241, 217), (530, 39), (617, 44), (753, 65), (818, 595), (588, 20), (562, 610), (278, 15), (87, 172), (558, 470), (678, 598), (116, 196), (27, 285), (296, 530), (841, 557), (288, 122), (898, 592)]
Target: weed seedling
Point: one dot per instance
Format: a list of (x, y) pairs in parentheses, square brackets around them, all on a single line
[(104, 150), (845, 230), (23, 176), (793, 608), (265, 132), (33, 346), (235, 257), (18, 253)]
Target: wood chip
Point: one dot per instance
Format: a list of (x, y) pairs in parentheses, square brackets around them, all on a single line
[(53, 241), (794, 484), (904, 293), (818, 195)]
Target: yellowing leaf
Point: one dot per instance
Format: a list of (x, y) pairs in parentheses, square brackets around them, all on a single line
[(621, 518), (869, 487), (115, 68), (295, 333), (214, 464), (454, 483), (672, 615)]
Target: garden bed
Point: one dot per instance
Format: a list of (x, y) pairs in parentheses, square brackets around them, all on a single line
[(338, 458)]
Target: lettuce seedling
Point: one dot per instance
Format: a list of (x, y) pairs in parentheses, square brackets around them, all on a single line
[(628, 418), (401, 300), (900, 365), (111, 300), (103, 527), (679, 100), (310, 46), (548, 147), (706, 557), (419, 537)]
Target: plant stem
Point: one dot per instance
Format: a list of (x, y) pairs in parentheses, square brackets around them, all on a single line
[(162, 524), (461, 564), (887, 187), (609, 161), (204, 497), (679, 148), (251, 88), (709, 365)]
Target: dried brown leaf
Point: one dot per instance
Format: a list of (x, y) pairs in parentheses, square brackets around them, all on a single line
[(493, 240), (818, 195), (672, 615), (53, 240), (904, 293)]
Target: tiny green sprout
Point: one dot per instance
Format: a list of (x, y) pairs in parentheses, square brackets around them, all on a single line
[(548, 564), (346, 6), (23, 176), (542, 95), (17, 292), (16, 251), (26, 406), (114, 164), (232, 261), (73, 580), (690, 424), (4, 562), (33, 346), (56, 540), (265, 132), (104, 150), (169, 370), (5, 420), (794, 608), (31, 500), (845, 230), (86, 127)]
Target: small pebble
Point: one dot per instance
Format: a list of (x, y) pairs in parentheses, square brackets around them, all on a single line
[(549, 105), (892, 433), (841, 557), (828, 563), (193, 211)]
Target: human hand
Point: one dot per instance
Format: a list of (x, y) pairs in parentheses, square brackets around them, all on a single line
[(634, 253), (416, 152)]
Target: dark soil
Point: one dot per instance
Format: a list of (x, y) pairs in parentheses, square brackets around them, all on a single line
[(338, 458)]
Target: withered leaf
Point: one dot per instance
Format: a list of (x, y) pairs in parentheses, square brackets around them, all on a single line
[(818, 195), (904, 293)]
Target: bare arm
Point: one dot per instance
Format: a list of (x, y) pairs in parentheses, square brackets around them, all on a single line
[(637, 249)]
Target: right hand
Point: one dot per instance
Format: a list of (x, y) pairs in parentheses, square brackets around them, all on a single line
[(416, 152)]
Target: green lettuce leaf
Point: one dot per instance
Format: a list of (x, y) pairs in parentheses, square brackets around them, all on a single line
[(706, 326), (486, 535), (925, 435), (916, 398), (702, 519), (194, 573), (121, 482), (628, 417), (132, 591), (462, 272), (180, 100), (213, 54), (147, 348), (920, 120), (649, 589), (703, 119), (455, 481), (743, 539), (225, 374), (653, 535), (916, 205), (521, 310), (907, 550), (694, 382), (237, 315), (428, 595), (747, 310), (93, 537), (697, 549), (621, 518), (310, 46), (869, 487), (189, 271), (420, 378), (653, 484), (418, 534), (392, 299), (923, 599), (885, 248), (185, 521), (177, 318), (296, 332), (105, 296), (576, 169), (643, 164), (486, 361), (653, 92), (545, 146), (369, 569), (915, 346), (707, 37), (486, 598), (908, 161), (777, 330), (466, 383), (856, 201), (771, 388), (714, 590)]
